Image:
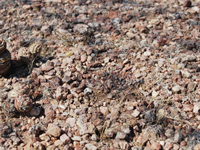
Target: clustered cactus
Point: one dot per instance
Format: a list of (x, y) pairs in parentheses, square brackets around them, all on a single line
[(5, 58)]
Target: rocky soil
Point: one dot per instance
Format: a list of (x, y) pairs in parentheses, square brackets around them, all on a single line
[(114, 74)]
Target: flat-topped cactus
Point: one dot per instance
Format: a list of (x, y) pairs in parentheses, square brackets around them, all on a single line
[(5, 58), (23, 103), (35, 48), (28, 55), (2, 46)]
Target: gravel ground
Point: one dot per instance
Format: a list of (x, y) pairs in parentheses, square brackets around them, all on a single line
[(114, 74)]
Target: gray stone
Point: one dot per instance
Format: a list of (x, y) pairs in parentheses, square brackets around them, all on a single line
[(178, 136)]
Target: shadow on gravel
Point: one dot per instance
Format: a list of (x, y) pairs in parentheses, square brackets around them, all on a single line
[(23, 70), (191, 45), (194, 139), (19, 72)]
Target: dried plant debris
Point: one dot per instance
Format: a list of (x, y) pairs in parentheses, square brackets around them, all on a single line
[(191, 45)]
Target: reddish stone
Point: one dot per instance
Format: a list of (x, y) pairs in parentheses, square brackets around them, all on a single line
[(187, 3), (55, 82), (48, 111)]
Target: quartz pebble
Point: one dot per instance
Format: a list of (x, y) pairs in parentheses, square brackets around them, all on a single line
[(176, 88), (64, 138), (197, 146), (90, 146), (53, 130), (71, 121), (196, 107), (156, 146), (135, 113), (120, 135)]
